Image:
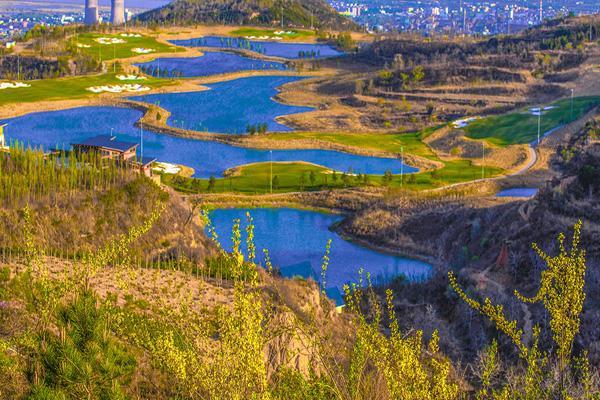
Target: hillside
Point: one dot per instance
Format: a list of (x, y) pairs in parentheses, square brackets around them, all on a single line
[(488, 244), (306, 13)]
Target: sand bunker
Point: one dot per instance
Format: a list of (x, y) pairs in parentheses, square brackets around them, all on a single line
[(135, 35), (540, 111), (107, 40), (131, 78), (141, 50), (166, 168), (284, 32), (83, 46), (263, 38), (128, 87), (463, 122), (13, 85)]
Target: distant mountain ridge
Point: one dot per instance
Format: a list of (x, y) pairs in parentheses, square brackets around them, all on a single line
[(296, 13)]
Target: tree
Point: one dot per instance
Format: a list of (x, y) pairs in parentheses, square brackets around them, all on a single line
[(345, 42), (275, 182), (418, 74), (211, 183), (312, 177), (387, 178), (84, 361), (562, 294)]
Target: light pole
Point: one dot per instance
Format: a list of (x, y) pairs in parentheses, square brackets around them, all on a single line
[(571, 105), (141, 141), (539, 125), (271, 176), (482, 160), (401, 166)]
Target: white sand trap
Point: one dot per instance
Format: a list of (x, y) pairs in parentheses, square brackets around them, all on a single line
[(135, 35), (263, 38), (131, 78), (83, 46), (284, 32), (107, 40), (13, 85), (141, 50), (166, 168), (128, 87), (540, 111), (461, 123)]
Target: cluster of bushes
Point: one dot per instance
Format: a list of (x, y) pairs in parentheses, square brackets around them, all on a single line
[(258, 128)]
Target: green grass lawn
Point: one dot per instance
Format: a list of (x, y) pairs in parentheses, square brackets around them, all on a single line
[(67, 88), (255, 178), (107, 52), (410, 142), (521, 127), (297, 34)]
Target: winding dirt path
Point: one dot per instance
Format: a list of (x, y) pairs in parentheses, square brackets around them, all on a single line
[(483, 277)]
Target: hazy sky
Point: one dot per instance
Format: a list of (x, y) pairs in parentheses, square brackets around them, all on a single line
[(128, 3)]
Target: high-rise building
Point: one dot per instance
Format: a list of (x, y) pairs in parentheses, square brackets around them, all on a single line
[(117, 10), (91, 12)]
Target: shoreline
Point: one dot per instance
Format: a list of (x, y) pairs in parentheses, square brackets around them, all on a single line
[(335, 228)]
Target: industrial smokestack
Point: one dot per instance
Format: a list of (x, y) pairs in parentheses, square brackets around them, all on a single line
[(91, 12), (117, 12)]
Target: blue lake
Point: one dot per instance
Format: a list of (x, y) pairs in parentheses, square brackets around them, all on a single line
[(517, 192), (211, 63), (268, 48), (228, 107), (296, 240), (61, 128)]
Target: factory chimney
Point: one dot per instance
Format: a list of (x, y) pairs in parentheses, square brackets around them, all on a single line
[(117, 12), (91, 12)]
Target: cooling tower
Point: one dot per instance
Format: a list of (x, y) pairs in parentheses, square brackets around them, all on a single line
[(91, 12), (117, 12)]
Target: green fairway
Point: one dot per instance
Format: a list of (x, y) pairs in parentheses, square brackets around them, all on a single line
[(411, 143), (521, 127), (296, 177), (107, 52), (67, 88), (256, 32)]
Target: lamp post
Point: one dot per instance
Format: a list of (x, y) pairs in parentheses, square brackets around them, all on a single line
[(571, 105), (401, 166), (539, 125), (271, 175), (482, 160)]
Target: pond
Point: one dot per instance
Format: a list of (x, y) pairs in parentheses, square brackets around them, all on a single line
[(61, 128), (211, 63), (517, 192), (296, 241), (268, 48), (228, 107)]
